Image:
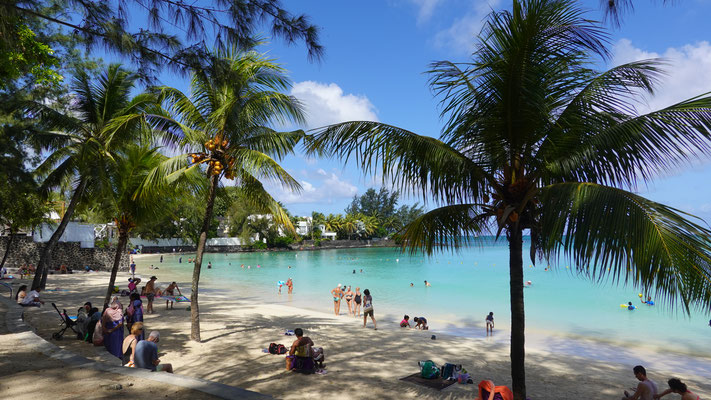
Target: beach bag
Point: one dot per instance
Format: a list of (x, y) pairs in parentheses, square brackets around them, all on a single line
[(448, 371), (428, 369), (289, 362), (277, 348), (98, 336)]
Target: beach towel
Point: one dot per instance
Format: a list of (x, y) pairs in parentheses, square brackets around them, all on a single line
[(500, 392), (182, 299), (437, 384)]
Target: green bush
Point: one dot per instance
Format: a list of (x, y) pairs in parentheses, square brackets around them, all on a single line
[(283, 241), (259, 245), (317, 242)]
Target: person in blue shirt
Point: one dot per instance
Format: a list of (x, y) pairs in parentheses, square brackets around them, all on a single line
[(146, 355), (630, 306)]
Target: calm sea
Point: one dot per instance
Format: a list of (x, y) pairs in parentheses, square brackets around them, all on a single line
[(466, 286)]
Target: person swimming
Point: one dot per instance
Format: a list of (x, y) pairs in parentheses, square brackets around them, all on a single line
[(427, 283), (630, 306)]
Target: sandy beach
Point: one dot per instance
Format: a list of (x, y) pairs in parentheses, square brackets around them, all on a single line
[(361, 363)]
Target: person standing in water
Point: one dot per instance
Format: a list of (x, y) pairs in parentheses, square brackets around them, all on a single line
[(490, 324), (209, 264), (427, 284), (290, 285), (368, 308), (337, 295)]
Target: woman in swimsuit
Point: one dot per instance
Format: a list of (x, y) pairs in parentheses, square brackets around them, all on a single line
[(337, 295), (129, 344), (356, 305), (349, 300), (678, 387)]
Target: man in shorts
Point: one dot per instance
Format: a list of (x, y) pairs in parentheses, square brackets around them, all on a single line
[(646, 389), (150, 293), (146, 354), (133, 269), (490, 323)]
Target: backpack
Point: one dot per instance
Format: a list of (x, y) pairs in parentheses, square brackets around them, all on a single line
[(277, 348), (428, 369)]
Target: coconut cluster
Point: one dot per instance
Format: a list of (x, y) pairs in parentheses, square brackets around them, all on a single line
[(218, 161)]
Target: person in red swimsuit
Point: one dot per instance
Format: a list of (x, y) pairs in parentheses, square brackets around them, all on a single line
[(678, 387)]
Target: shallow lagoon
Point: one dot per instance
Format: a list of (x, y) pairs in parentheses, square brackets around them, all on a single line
[(465, 286)]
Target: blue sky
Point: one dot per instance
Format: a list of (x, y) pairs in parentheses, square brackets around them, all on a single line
[(376, 53)]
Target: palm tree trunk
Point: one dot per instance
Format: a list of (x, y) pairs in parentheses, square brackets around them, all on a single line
[(194, 310), (7, 249), (120, 250), (518, 322), (40, 279)]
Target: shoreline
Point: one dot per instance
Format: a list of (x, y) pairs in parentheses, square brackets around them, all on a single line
[(236, 328)]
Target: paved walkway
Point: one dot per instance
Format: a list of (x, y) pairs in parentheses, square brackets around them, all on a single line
[(29, 365)]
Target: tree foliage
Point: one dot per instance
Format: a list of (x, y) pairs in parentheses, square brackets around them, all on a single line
[(142, 31), (535, 140)]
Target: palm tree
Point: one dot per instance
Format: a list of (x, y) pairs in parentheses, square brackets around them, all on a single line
[(121, 198), (101, 119), (536, 141), (225, 127), (333, 223)]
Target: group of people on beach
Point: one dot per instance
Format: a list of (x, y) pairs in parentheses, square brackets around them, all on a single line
[(647, 389), (354, 301)]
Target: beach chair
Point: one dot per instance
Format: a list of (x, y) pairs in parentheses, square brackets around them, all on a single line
[(487, 388), (67, 323)]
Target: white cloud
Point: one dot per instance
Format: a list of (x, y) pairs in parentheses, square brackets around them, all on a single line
[(688, 73), (426, 8), (460, 37), (327, 104), (323, 187)]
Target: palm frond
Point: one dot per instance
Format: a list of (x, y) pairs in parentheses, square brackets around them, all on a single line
[(261, 166), (257, 197), (413, 162), (612, 233), (447, 227)]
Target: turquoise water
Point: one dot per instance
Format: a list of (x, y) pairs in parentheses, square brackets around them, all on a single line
[(465, 287)]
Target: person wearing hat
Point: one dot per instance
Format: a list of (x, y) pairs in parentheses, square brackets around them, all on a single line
[(150, 293), (337, 296)]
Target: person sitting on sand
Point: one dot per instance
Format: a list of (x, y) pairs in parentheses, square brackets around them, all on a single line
[(129, 345), (146, 354), (337, 296), (405, 323), (678, 387), (63, 269), (150, 293), (646, 389), (112, 325), (170, 291), (21, 294), (32, 299), (134, 311), (421, 323), (302, 345)]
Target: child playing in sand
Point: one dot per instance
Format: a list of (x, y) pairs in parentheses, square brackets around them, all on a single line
[(405, 323)]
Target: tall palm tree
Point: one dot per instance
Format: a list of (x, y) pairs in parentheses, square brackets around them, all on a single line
[(537, 141), (101, 119), (225, 126), (120, 197)]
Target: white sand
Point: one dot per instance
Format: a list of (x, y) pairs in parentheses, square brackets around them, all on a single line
[(361, 363)]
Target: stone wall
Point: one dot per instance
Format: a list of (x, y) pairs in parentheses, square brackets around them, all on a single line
[(24, 250)]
